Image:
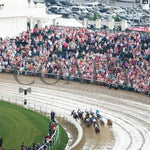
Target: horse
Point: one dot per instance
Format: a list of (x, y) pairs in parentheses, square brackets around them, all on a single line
[(97, 130), (75, 116), (87, 122), (109, 123), (80, 115), (98, 115), (94, 120), (87, 115), (101, 122)]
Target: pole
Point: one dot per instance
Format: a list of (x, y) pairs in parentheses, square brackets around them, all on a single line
[(133, 16), (24, 100)]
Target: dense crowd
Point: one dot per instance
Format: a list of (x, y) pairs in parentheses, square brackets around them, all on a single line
[(110, 57)]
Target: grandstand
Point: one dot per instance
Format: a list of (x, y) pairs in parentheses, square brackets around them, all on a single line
[(117, 59)]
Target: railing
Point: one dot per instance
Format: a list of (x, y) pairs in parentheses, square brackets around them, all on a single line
[(52, 141), (77, 79), (18, 101)]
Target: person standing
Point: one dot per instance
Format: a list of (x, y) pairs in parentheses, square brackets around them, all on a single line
[(1, 143), (50, 129), (53, 116), (22, 146)]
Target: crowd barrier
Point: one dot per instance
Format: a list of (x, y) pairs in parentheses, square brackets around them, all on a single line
[(17, 101), (52, 141), (71, 78)]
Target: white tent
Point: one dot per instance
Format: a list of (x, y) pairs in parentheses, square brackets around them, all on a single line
[(63, 22), (17, 13), (69, 22)]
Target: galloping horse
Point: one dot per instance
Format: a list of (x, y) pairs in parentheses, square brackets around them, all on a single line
[(87, 122), (101, 122), (109, 123), (97, 130), (80, 114), (75, 116)]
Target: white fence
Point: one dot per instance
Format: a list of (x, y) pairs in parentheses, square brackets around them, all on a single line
[(52, 141)]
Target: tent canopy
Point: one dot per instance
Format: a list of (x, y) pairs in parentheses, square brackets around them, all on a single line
[(64, 22), (141, 29), (69, 22)]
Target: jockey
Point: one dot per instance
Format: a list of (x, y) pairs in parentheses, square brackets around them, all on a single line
[(87, 115), (108, 119), (79, 111), (84, 115), (95, 125), (91, 111), (94, 120), (87, 120), (94, 115), (72, 112), (86, 111), (97, 111), (100, 117), (90, 116)]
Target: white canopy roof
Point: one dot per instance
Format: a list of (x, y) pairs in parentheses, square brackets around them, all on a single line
[(69, 22), (28, 12), (64, 22)]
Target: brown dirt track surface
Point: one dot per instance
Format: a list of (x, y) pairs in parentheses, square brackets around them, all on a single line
[(79, 88), (89, 90), (105, 135)]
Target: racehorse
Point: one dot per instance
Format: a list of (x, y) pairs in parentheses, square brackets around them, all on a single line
[(97, 130), (101, 122), (109, 123), (87, 122), (80, 114), (75, 116)]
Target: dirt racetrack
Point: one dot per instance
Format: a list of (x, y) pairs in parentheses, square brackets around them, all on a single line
[(129, 111)]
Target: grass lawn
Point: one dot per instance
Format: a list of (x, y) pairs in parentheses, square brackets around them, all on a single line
[(18, 125)]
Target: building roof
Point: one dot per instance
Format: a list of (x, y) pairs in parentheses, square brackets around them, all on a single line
[(64, 22)]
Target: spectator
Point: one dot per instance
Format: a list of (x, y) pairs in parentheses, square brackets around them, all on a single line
[(22, 146), (53, 116), (50, 129), (1, 143), (53, 127)]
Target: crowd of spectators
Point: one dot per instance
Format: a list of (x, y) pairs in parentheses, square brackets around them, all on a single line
[(111, 57), (33, 147)]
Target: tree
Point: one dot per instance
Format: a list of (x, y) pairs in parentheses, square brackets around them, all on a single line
[(117, 17), (96, 16)]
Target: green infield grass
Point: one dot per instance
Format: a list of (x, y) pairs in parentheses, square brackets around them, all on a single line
[(19, 125)]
